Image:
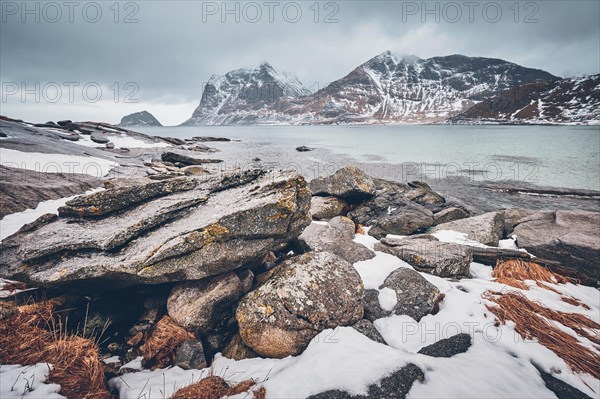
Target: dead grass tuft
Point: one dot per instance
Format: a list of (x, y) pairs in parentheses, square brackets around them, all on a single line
[(514, 272), (215, 387), (260, 393), (30, 336), (574, 301), (162, 343), (533, 320)]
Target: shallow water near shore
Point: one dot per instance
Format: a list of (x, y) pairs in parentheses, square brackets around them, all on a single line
[(452, 158)]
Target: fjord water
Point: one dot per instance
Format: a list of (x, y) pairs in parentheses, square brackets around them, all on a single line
[(557, 156)]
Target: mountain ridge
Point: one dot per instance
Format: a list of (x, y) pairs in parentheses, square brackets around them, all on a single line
[(386, 89)]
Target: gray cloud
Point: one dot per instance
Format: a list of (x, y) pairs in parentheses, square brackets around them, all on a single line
[(172, 51)]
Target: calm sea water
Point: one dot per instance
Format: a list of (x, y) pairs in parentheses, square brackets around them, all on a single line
[(557, 156)]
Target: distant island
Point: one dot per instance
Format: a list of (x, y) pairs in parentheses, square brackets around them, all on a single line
[(139, 119)]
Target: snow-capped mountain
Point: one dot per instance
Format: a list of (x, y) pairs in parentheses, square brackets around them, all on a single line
[(139, 119), (413, 90), (571, 100), (385, 89), (246, 96)]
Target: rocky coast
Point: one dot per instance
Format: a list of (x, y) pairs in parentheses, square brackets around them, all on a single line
[(341, 286)]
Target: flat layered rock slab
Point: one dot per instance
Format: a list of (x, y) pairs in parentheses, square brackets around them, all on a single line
[(215, 227), (430, 256)]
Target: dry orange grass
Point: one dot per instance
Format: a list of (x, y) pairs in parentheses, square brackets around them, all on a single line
[(162, 343), (215, 387), (30, 336), (514, 272), (532, 320)]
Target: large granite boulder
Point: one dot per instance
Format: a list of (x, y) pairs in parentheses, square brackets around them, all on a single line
[(308, 294), (349, 183), (430, 255), (198, 305), (569, 237), (325, 208), (196, 228), (487, 228), (391, 212), (416, 296), (335, 237)]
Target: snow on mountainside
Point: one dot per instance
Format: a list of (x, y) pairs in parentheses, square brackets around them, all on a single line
[(571, 100), (246, 96), (385, 89), (412, 90), (137, 119)]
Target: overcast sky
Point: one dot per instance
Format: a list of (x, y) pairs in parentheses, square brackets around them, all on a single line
[(160, 53)]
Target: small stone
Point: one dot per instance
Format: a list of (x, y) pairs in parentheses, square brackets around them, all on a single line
[(190, 355)]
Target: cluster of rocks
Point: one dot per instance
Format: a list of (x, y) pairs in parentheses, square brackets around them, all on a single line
[(173, 164), (231, 263)]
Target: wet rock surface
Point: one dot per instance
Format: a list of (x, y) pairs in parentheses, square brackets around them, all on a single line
[(569, 237), (187, 235), (308, 294), (336, 237), (430, 256)]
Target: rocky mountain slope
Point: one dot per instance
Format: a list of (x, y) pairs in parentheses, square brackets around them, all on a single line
[(246, 96), (385, 89), (571, 100), (137, 119)]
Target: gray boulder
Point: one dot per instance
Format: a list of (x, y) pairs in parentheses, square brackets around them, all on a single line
[(335, 237), (308, 294), (325, 208), (448, 347), (391, 212), (190, 355), (394, 386), (421, 193), (218, 225), (199, 305), (416, 296), (174, 158), (568, 237), (349, 183), (430, 256), (487, 228), (449, 215), (373, 310), (99, 138), (366, 328)]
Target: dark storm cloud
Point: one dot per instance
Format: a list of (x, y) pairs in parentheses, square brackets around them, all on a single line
[(177, 45)]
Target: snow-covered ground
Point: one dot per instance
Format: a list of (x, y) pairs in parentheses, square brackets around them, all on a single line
[(27, 382), (498, 364), (56, 163), (10, 224)]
